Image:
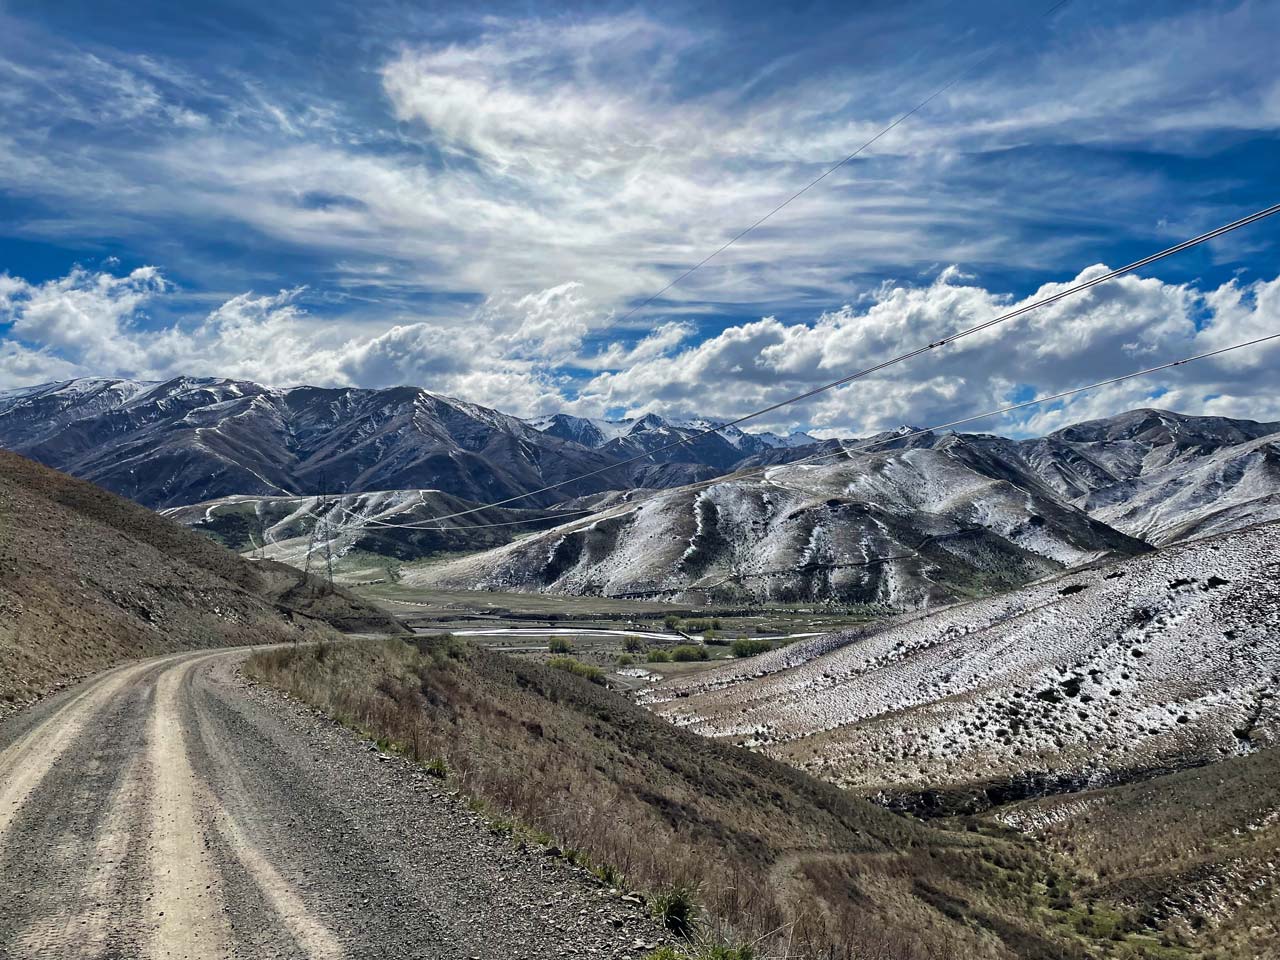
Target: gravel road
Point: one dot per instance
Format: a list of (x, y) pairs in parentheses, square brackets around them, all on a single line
[(169, 809)]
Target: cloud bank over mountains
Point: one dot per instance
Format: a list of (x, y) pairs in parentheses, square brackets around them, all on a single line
[(514, 355)]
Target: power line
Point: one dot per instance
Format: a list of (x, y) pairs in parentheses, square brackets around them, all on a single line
[(421, 525), (864, 446), (830, 170), (875, 368), (844, 451)]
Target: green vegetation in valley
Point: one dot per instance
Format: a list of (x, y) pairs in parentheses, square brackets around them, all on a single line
[(577, 668), (747, 647)]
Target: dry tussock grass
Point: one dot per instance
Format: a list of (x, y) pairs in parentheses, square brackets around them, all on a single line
[(776, 858)]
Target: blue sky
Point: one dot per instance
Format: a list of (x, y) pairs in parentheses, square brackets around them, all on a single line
[(469, 198)]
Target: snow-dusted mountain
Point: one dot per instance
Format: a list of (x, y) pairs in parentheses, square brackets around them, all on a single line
[(908, 528), (1101, 676), (187, 440), (647, 434), (923, 519)]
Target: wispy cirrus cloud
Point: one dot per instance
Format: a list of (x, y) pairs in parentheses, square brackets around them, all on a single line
[(522, 179)]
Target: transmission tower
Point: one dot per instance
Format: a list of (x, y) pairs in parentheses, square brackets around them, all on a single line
[(328, 544), (311, 545)]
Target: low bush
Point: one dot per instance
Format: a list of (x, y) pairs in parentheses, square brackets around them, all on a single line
[(626, 660), (560, 645), (437, 767), (658, 656), (577, 668), (747, 647), (689, 653), (633, 645), (676, 908), (702, 953), (442, 648)]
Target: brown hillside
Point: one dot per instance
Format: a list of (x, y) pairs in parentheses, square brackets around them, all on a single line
[(88, 579)]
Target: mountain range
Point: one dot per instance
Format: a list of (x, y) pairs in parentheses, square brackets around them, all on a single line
[(186, 440), (923, 518)]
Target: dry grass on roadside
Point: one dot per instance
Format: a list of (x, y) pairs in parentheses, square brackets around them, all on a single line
[(771, 855)]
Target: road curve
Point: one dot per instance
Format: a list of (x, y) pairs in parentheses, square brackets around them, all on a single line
[(166, 809)]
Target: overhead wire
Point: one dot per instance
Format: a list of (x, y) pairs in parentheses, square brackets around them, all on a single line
[(885, 364), (884, 131), (845, 451), (849, 158)]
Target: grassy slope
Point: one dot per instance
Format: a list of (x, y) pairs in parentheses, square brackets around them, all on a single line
[(771, 848), (1198, 850), (88, 579)]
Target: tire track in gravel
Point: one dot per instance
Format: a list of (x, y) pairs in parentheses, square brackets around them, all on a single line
[(284, 902), (168, 810), (71, 860), (185, 914), (26, 762)]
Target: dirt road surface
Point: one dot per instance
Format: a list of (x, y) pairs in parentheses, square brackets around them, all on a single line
[(167, 809)]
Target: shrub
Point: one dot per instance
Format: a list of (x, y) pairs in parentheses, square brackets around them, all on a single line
[(560, 645), (689, 653), (676, 908), (437, 767), (658, 656), (608, 874), (626, 660), (577, 668), (633, 645), (671, 621), (747, 647), (441, 648)]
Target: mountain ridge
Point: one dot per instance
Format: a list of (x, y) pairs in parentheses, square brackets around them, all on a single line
[(928, 518), (202, 438)]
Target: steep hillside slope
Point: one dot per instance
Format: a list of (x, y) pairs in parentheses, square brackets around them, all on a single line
[(776, 857), (1227, 489), (900, 529), (1198, 851), (1101, 676), (88, 579), (1159, 475)]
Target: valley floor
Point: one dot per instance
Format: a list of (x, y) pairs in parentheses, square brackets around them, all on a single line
[(169, 809)]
